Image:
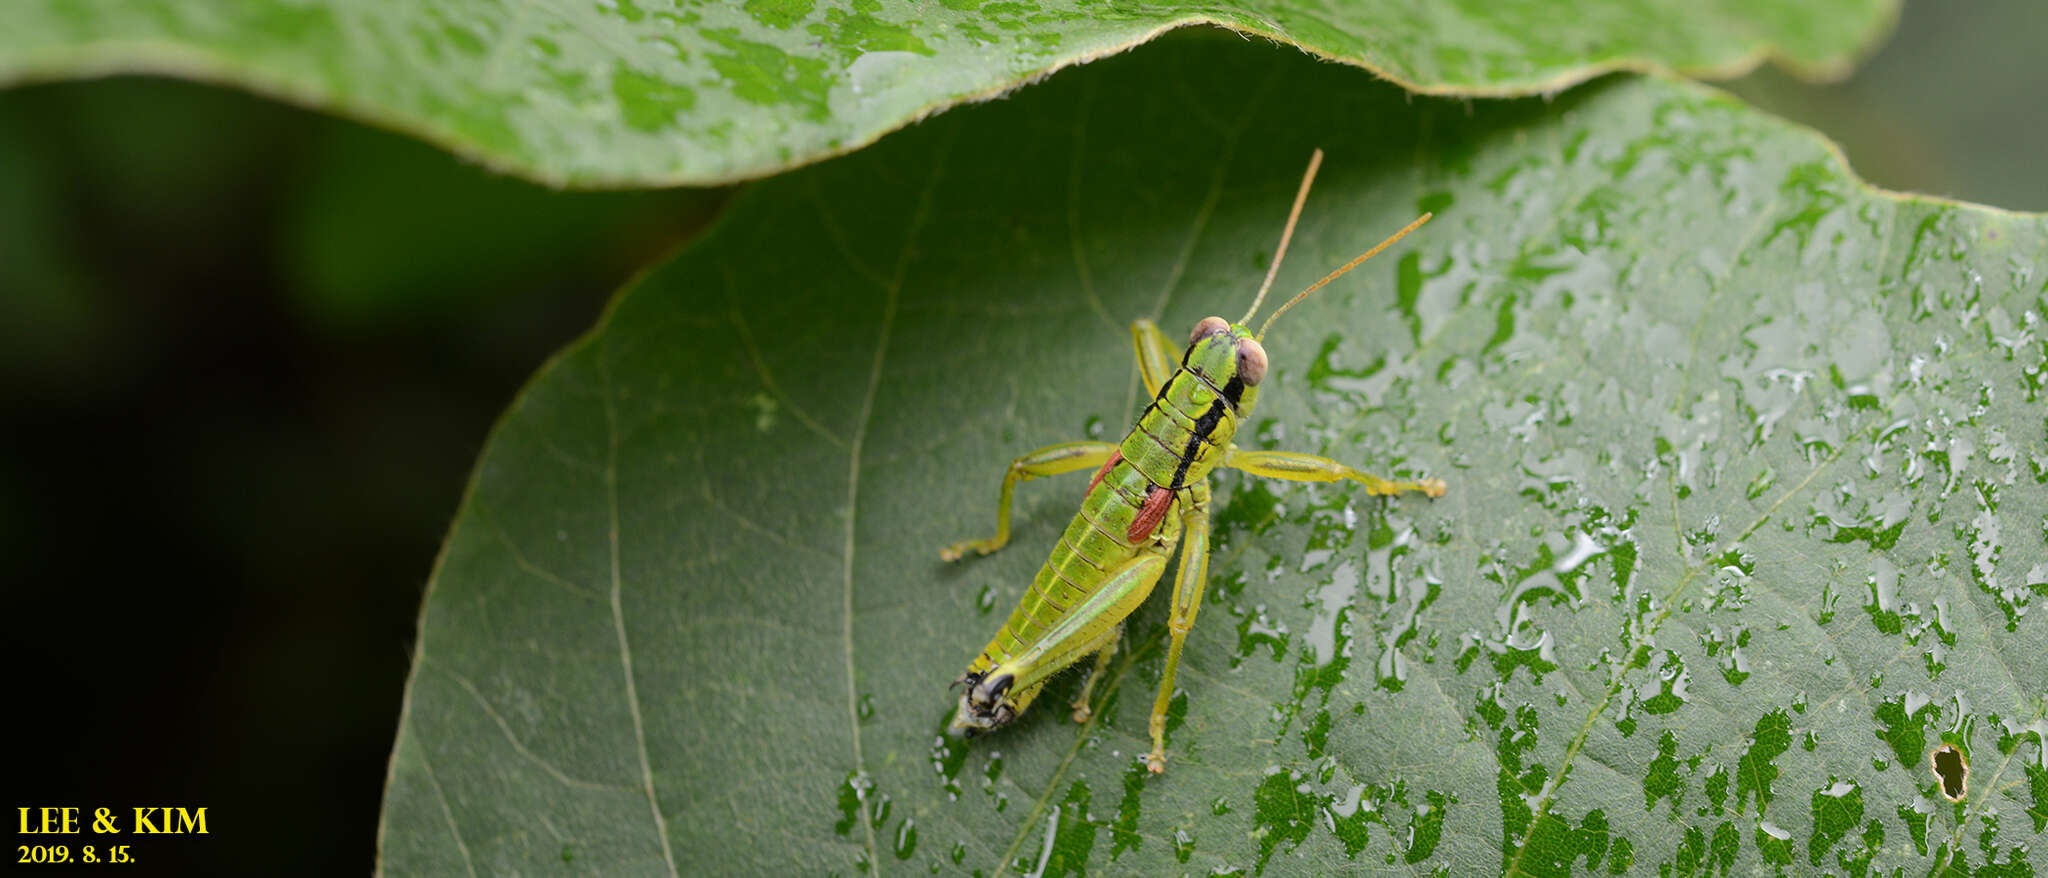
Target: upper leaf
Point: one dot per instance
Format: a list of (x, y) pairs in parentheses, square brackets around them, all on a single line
[(1746, 511), (627, 92)]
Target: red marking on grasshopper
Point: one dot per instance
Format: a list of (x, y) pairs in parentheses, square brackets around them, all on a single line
[(1150, 514), (1114, 456)]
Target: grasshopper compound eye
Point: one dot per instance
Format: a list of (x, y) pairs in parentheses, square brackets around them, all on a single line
[(1251, 362), (1208, 327)]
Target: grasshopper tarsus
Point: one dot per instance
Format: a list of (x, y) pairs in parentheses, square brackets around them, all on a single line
[(958, 551)]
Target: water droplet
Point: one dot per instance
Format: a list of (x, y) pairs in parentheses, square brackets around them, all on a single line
[(1734, 663), (906, 839), (852, 792), (1331, 603), (1904, 720), (948, 754), (1259, 629), (1883, 590), (1915, 816), (1828, 598), (1671, 687), (992, 772), (1758, 768), (1662, 781), (1284, 811), (1427, 827)]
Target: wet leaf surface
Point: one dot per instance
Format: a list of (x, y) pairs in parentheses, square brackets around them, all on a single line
[(1746, 512), (627, 92)]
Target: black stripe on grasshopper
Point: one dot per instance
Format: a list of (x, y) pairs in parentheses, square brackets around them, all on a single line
[(1203, 427)]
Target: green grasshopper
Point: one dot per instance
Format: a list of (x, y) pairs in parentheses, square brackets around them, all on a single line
[(1150, 492)]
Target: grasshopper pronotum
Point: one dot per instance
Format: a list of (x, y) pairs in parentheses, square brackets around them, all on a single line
[(1150, 492)]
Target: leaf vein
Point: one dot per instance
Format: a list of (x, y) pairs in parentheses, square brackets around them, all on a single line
[(893, 288), (447, 813), (518, 745), (611, 485)]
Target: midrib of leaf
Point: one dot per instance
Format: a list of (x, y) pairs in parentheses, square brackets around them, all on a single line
[(1074, 162), (853, 450), (611, 494), (1200, 224), (892, 291), (1203, 215)]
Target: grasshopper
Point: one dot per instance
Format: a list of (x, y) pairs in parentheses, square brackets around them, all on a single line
[(1150, 493)]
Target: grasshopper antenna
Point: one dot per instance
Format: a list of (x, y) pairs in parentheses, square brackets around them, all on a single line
[(1314, 161), (1340, 271)]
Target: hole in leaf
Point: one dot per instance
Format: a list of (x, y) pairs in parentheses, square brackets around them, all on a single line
[(1954, 770)]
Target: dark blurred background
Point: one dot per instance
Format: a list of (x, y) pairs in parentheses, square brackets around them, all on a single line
[(248, 354)]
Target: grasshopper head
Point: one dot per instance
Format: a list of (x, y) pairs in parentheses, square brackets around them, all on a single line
[(985, 705), (1229, 357)]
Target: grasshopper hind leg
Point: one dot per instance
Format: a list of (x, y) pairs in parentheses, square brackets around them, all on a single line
[(1004, 689), (1012, 705)]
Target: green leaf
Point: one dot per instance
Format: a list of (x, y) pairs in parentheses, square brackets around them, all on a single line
[(627, 92), (1709, 408)]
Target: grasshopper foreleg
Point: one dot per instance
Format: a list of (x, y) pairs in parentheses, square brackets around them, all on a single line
[(1051, 460), (1157, 357)]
